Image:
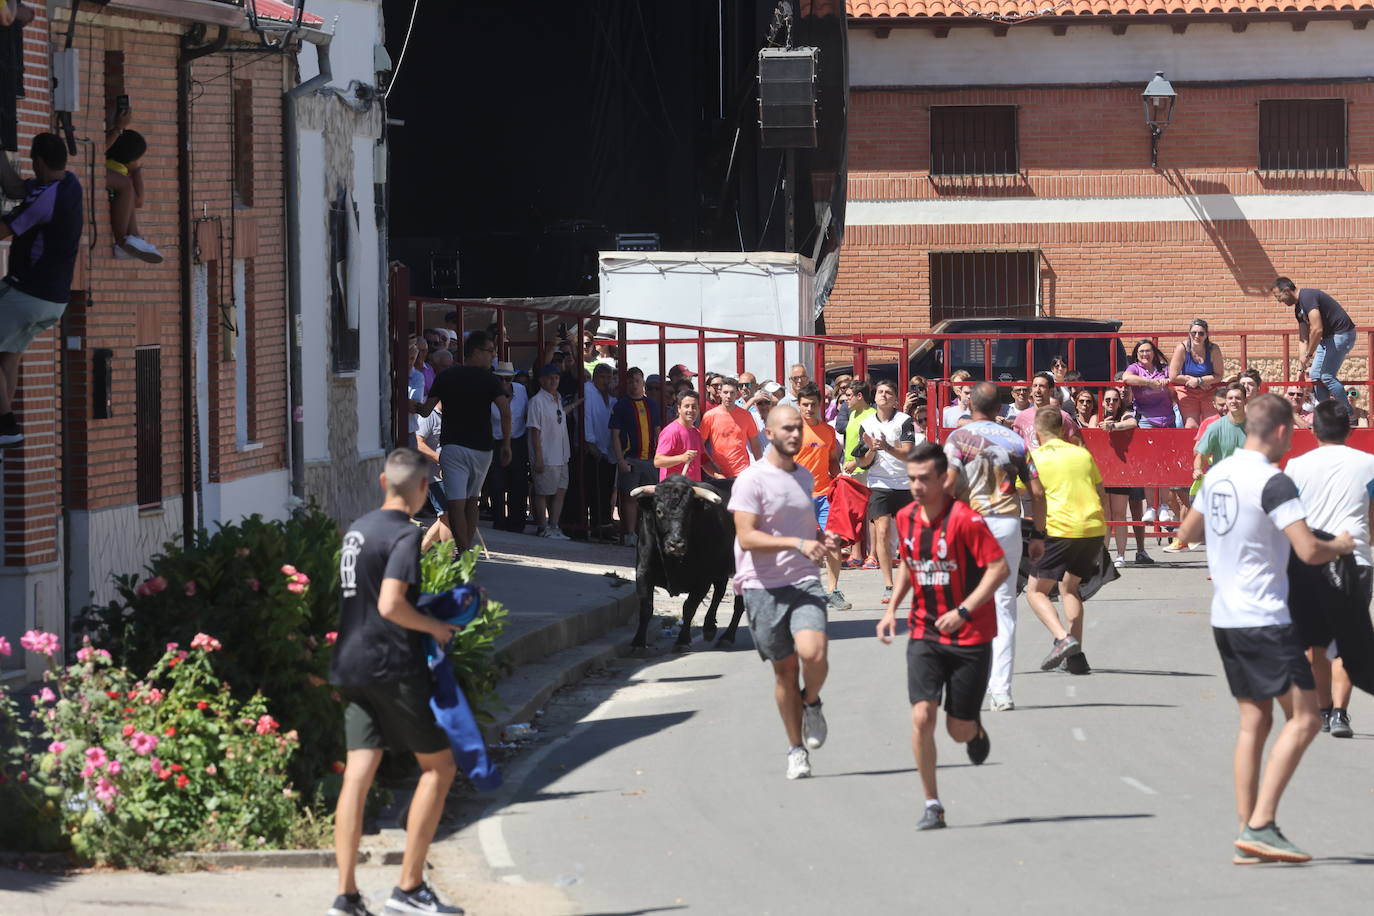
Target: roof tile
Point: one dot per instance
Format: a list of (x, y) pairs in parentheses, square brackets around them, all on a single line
[(934, 9)]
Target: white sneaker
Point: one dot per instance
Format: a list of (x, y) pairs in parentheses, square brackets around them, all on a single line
[(1119, 561), (1167, 515), (556, 534), (798, 763), (141, 249), (1149, 515), (120, 254), (814, 729), (1001, 702)]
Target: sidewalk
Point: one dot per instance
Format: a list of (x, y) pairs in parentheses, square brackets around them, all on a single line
[(565, 617)]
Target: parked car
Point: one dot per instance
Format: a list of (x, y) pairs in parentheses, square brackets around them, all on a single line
[(1092, 357)]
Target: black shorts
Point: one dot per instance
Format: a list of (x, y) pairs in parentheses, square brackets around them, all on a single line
[(1263, 662), (393, 714), (887, 502), (1080, 556), (1129, 492), (1316, 599), (959, 672)]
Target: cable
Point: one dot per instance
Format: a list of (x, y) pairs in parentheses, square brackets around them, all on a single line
[(396, 71), (777, 182)]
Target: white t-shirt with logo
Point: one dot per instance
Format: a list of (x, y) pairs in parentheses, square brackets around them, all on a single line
[(1247, 503), (888, 472), (1335, 483)]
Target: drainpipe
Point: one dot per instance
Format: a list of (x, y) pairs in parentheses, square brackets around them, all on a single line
[(190, 483), (296, 417)]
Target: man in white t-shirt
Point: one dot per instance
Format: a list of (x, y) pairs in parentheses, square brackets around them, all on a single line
[(888, 435), (550, 451), (1252, 515), (1335, 483), (778, 548)]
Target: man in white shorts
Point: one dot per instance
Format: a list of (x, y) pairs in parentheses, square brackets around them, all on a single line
[(550, 452)]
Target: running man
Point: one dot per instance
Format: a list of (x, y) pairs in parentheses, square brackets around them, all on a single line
[(1335, 483), (888, 436), (1066, 491), (985, 462), (820, 454), (777, 550), (379, 666), (955, 565), (1252, 514)]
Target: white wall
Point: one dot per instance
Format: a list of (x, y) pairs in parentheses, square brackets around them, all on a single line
[(1032, 54), (115, 541), (314, 282), (364, 288), (356, 27)]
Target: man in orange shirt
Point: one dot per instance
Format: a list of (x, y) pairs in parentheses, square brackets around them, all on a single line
[(730, 433), (820, 454)]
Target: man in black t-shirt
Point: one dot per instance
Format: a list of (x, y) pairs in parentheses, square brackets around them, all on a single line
[(379, 666), (467, 393), (1327, 334)]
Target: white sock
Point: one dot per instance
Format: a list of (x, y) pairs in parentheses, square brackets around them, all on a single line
[(933, 803)]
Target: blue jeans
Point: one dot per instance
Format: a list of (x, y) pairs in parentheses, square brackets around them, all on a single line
[(1326, 362)]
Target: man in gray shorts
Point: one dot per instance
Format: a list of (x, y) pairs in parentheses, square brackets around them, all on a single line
[(777, 551)]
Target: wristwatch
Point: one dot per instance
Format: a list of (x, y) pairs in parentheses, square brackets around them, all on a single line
[(963, 612), (1037, 534)]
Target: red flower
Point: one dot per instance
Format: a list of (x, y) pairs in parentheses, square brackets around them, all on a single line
[(112, 694), (128, 710), (170, 732), (173, 663), (128, 730), (201, 704), (133, 694), (182, 781)]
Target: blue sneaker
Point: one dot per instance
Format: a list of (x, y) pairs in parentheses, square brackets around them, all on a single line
[(420, 900)]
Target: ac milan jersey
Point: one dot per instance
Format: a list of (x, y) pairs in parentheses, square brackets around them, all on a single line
[(946, 559)]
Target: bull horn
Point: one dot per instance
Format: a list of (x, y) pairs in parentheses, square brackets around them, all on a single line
[(643, 491), (706, 493)]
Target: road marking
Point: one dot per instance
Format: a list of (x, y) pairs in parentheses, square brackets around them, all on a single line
[(512, 879), (493, 840), (1137, 784), (1078, 735), (1071, 690)]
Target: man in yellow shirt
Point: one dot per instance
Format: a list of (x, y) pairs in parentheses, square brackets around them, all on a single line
[(1066, 488)]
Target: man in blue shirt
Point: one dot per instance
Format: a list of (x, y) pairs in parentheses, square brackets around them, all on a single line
[(46, 234)]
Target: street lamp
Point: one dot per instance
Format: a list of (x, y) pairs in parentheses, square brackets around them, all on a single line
[(1159, 98)]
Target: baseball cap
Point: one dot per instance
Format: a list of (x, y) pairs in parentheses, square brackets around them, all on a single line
[(550, 369), (683, 371), (654, 379), (772, 387)]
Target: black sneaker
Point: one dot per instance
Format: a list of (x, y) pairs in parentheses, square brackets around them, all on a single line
[(1340, 724), (1143, 559), (1326, 718), (932, 819), (420, 900), (979, 747), (1077, 664), (349, 905)]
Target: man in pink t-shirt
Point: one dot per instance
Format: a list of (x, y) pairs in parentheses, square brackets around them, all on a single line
[(777, 551), (680, 449), (1041, 391), (731, 432)]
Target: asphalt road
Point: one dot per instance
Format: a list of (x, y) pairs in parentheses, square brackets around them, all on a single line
[(663, 789)]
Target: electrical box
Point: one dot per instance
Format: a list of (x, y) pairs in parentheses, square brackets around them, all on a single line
[(66, 79)]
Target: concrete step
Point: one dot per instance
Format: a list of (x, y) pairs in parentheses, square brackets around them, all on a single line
[(531, 635)]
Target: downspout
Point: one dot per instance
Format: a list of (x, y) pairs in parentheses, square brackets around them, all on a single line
[(190, 488), (295, 420)]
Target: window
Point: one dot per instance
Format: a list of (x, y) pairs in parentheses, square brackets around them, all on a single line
[(343, 304), (148, 425), (984, 284), (243, 142), (1302, 134), (973, 140), (246, 355)]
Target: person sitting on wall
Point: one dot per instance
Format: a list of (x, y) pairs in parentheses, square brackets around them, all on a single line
[(124, 181)]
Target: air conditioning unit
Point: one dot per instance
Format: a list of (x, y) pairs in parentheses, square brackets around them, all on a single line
[(66, 79)]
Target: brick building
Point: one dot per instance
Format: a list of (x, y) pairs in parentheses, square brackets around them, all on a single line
[(163, 402), (1004, 167)]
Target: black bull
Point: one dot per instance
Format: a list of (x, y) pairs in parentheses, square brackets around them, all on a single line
[(686, 544)]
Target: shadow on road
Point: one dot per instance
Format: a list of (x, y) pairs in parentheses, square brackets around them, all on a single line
[(656, 909), (1343, 860), (29, 882), (1061, 818), (1090, 705), (1152, 673), (901, 771), (685, 679)]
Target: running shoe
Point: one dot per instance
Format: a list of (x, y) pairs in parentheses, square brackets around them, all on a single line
[(814, 729), (1175, 546), (836, 601), (1001, 702), (541, 532), (420, 900), (870, 562), (979, 748), (1077, 664), (1148, 515), (1326, 718), (1340, 724), (556, 534), (887, 594), (1166, 515), (348, 905), (1244, 858), (1269, 843), (1119, 561), (798, 763), (1061, 650), (933, 818), (1143, 559), (852, 563)]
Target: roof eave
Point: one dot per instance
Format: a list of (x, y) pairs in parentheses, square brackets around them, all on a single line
[(927, 22)]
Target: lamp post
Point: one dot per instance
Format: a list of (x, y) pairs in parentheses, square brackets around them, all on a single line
[(1159, 98)]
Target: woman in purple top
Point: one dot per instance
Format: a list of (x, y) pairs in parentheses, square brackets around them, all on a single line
[(1148, 379), (1196, 368)]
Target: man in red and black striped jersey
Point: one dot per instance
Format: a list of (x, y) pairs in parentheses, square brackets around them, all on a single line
[(953, 565)]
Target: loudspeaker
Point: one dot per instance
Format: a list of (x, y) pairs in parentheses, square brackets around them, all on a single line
[(787, 98)]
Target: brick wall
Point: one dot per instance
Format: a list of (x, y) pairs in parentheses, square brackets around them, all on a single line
[(1086, 143)]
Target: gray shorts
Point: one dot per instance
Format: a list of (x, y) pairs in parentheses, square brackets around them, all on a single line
[(465, 469), (642, 473), (776, 614), (24, 317), (550, 480)]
